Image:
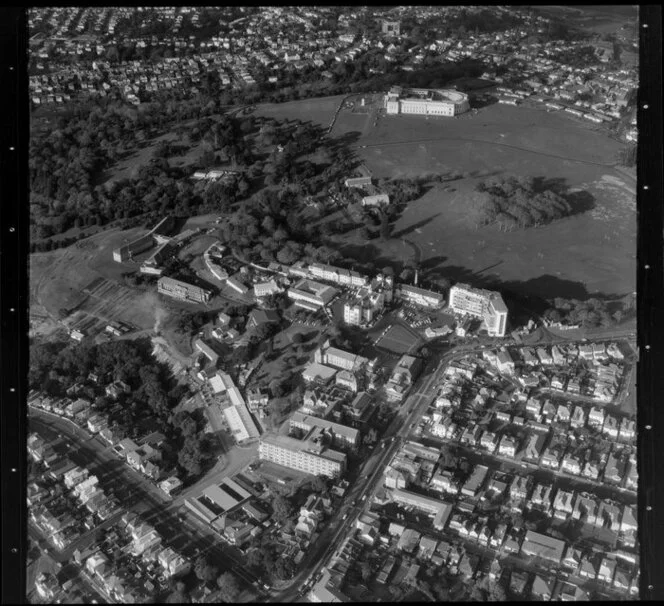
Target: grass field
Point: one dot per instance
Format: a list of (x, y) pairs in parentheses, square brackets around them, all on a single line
[(592, 252), (320, 110)]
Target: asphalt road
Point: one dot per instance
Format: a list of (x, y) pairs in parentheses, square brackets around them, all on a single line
[(185, 534), (190, 536), (400, 428)]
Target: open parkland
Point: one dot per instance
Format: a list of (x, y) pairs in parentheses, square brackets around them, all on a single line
[(583, 255)]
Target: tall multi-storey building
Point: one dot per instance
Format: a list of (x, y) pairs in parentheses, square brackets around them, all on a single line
[(308, 455), (480, 303)]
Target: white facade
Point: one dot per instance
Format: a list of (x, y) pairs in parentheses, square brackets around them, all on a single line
[(480, 303), (426, 102), (294, 454), (420, 296), (363, 309)]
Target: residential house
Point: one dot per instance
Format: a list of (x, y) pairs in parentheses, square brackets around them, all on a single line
[(607, 568), (596, 417), (571, 593), (613, 469), (591, 470), (505, 363), (541, 497), (608, 516), (489, 440), (621, 579), (563, 414), (520, 488), (628, 519), (534, 447), (562, 504), (571, 464), (518, 582), (544, 356), (496, 540), (542, 588), (572, 559), (578, 417), (627, 430), (585, 508), (587, 568), (558, 356), (507, 447), (551, 458)]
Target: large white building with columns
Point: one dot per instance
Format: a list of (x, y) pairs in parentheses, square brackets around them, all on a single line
[(426, 102)]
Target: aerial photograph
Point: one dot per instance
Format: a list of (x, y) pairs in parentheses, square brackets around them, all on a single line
[(332, 304)]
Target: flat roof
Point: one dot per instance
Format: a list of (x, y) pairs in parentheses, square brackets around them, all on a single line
[(412, 497), (343, 430), (543, 543), (226, 494), (312, 287), (421, 291), (302, 446)]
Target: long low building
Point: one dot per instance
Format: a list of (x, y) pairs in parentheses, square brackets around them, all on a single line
[(426, 102), (155, 236), (183, 290), (543, 546), (240, 423), (311, 295), (218, 499), (341, 434), (125, 253), (339, 275), (439, 509), (308, 455), (419, 296)]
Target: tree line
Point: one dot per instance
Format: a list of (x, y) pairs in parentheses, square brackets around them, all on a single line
[(591, 313)]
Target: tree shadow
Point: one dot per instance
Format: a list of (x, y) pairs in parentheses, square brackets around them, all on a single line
[(411, 228), (579, 201)]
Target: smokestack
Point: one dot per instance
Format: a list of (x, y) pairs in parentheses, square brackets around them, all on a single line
[(158, 319)]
